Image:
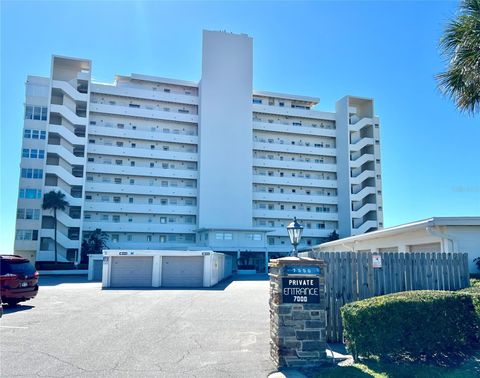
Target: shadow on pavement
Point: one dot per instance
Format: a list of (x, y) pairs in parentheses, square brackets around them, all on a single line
[(58, 280), (12, 309)]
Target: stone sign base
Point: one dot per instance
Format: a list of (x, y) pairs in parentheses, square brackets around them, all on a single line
[(297, 330)]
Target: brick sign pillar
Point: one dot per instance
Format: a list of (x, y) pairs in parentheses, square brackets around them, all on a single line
[(297, 312)]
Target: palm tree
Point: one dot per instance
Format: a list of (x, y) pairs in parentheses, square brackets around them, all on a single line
[(95, 243), (55, 201), (460, 44)]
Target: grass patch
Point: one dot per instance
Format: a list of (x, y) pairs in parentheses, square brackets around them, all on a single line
[(470, 367)]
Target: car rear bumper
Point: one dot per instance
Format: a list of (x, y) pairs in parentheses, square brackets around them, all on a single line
[(22, 294)]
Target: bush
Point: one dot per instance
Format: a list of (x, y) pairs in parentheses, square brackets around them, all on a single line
[(413, 325)]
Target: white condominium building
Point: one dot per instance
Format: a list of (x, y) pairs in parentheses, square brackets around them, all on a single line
[(162, 163)]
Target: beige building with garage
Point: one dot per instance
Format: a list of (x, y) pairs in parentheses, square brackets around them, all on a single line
[(437, 234)]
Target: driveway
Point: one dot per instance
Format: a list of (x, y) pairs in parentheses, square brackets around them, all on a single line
[(74, 328)]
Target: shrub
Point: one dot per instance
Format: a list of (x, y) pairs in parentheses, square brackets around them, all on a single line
[(413, 325)]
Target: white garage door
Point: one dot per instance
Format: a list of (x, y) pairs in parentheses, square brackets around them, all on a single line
[(97, 270), (131, 271), (182, 271), (432, 247)]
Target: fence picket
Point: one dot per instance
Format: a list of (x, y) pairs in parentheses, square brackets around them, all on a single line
[(350, 276)]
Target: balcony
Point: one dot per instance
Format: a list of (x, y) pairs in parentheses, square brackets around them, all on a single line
[(361, 160), (145, 94), (142, 171), (367, 226), (64, 175), (287, 127), (364, 210), (62, 239), (129, 208), (361, 124), (101, 187), (296, 198), (294, 148), (296, 165), (109, 226), (307, 233), (299, 213), (286, 111), (69, 90), (141, 152), (142, 112), (362, 177), (68, 114), (146, 135), (294, 181), (358, 145)]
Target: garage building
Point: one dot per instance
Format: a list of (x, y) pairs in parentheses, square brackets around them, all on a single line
[(160, 268)]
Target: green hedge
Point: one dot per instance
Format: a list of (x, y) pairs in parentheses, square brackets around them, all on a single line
[(413, 325)]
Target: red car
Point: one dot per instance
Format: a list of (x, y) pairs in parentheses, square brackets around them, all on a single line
[(18, 279)]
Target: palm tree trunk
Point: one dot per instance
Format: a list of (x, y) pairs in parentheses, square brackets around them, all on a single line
[(55, 216)]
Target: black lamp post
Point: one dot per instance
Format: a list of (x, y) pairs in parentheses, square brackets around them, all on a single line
[(295, 230)]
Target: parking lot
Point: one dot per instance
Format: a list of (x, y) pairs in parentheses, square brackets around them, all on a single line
[(74, 328)]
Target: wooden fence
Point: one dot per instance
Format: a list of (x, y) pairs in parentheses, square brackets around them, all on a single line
[(352, 276)]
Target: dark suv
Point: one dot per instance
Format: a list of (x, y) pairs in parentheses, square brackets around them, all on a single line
[(18, 279)]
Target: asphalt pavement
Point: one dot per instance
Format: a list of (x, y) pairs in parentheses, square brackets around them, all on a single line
[(74, 328)]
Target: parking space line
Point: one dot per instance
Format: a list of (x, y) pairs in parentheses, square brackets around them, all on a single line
[(2, 326)]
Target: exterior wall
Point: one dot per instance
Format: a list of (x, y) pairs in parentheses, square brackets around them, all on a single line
[(450, 239), (226, 131), (159, 163), (216, 266)]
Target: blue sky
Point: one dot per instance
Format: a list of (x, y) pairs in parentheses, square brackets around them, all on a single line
[(385, 50)]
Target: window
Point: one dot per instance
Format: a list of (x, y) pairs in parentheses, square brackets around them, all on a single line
[(105, 198), (152, 146), (133, 145), (129, 237), (171, 220), (164, 165), (163, 219), (130, 200), (281, 104), (42, 134), (132, 181), (35, 134), (36, 112), (91, 160), (166, 148), (115, 238), (163, 201), (25, 153), (271, 206), (116, 199), (87, 216), (91, 141), (26, 235), (88, 197), (150, 201), (30, 193), (270, 190), (227, 236), (149, 238), (172, 238), (152, 165), (219, 236), (27, 133), (118, 162), (119, 144), (134, 105), (271, 241), (116, 218), (163, 238), (257, 101), (164, 183), (117, 180), (93, 123), (166, 90), (120, 125), (183, 111)]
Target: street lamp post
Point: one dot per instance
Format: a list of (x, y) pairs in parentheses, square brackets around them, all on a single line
[(295, 230)]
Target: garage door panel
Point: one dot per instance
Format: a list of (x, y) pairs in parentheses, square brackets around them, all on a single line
[(182, 271), (131, 271)]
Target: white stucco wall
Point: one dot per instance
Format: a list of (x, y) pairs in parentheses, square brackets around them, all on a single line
[(225, 132)]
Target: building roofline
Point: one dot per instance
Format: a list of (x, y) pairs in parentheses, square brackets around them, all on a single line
[(234, 229), (312, 100), (159, 79), (429, 222)]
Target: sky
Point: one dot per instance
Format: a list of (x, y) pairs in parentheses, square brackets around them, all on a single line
[(385, 50)]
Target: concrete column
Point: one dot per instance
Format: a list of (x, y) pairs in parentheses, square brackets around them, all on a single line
[(266, 261), (297, 312), (157, 271)]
